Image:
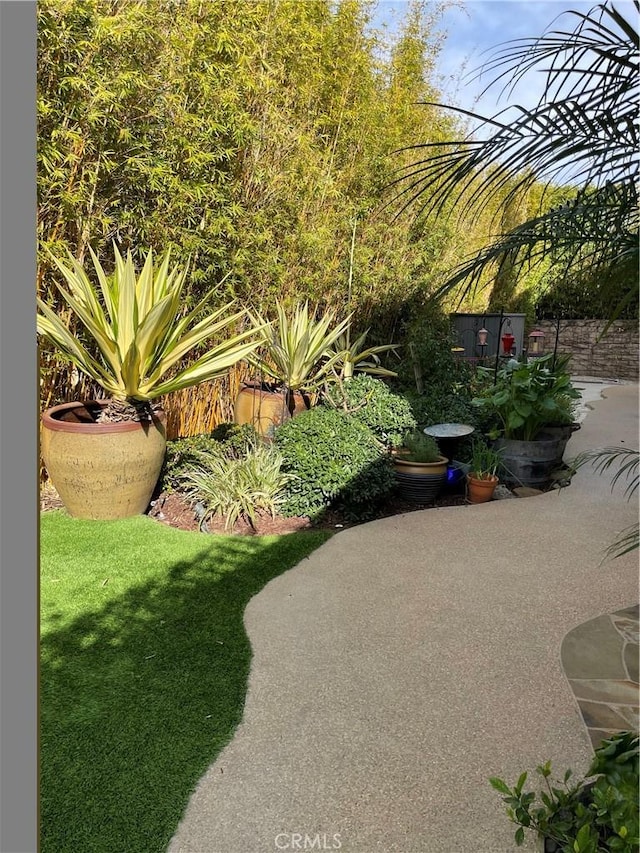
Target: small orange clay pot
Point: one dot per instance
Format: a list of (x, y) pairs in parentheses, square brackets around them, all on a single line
[(480, 491)]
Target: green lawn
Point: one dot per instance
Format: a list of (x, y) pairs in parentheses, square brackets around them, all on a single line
[(144, 665)]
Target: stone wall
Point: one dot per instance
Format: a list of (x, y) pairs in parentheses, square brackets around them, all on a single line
[(615, 356)]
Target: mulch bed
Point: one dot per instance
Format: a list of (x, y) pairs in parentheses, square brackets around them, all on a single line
[(175, 510)]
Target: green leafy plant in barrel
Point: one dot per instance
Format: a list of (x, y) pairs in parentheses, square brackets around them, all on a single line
[(526, 397)]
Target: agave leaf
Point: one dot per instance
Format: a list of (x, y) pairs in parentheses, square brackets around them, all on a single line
[(173, 353), (105, 287), (183, 324), (130, 373), (140, 332), (50, 326), (95, 324), (144, 288), (300, 349), (81, 293), (154, 330), (212, 365), (127, 306)]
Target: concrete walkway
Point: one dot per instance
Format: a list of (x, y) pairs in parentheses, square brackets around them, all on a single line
[(408, 660)]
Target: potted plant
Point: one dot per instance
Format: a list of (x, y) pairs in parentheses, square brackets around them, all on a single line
[(104, 456), (482, 479), (523, 399), (298, 356), (420, 469), (596, 813), (352, 356)]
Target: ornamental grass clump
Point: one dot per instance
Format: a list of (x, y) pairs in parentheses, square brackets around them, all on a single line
[(239, 488), (485, 461), (183, 454)]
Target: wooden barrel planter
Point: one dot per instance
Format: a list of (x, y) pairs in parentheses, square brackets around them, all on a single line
[(563, 434), (265, 408), (529, 463), (101, 470)]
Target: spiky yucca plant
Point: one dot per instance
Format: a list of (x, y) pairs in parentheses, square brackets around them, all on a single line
[(299, 350), (354, 356), (141, 329)]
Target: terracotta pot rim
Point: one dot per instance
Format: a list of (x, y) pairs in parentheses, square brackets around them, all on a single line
[(263, 388), (50, 421), (490, 480)]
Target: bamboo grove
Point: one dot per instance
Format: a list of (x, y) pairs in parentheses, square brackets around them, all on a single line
[(248, 137)]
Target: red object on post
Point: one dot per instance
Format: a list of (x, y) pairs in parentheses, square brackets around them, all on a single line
[(508, 341)]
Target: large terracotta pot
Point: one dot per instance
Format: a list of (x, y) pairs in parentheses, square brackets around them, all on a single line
[(101, 471), (266, 409)]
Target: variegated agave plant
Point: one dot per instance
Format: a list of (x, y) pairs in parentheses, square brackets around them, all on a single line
[(354, 356), (141, 329), (300, 349)]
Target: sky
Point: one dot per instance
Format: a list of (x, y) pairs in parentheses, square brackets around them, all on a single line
[(475, 26)]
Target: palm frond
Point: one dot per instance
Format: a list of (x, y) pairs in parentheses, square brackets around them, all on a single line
[(627, 541), (583, 132), (625, 459)]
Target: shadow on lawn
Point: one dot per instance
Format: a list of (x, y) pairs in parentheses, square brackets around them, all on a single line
[(138, 698)]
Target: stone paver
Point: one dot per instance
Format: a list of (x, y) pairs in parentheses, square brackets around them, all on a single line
[(407, 660), (600, 658)]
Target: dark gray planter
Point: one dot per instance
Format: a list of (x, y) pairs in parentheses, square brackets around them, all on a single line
[(563, 433), (529, 463), (420, 482)]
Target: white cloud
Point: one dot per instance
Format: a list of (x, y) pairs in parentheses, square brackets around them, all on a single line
[(478, 28)]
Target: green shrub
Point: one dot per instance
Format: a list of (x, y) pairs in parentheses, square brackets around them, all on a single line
[(235, 439), (181, 455), (371, 402), (583, 817), (336, 461), (238, 488), (421, 447), (427, 346)]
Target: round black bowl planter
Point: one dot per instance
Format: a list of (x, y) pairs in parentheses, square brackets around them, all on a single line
[(420, 482)]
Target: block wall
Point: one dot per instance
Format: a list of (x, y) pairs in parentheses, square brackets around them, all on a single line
[(615, 356)]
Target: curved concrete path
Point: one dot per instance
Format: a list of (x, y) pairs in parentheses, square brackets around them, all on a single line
[(408, 660)]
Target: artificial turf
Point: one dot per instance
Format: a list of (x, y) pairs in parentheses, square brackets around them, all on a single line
[(143, 671)]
